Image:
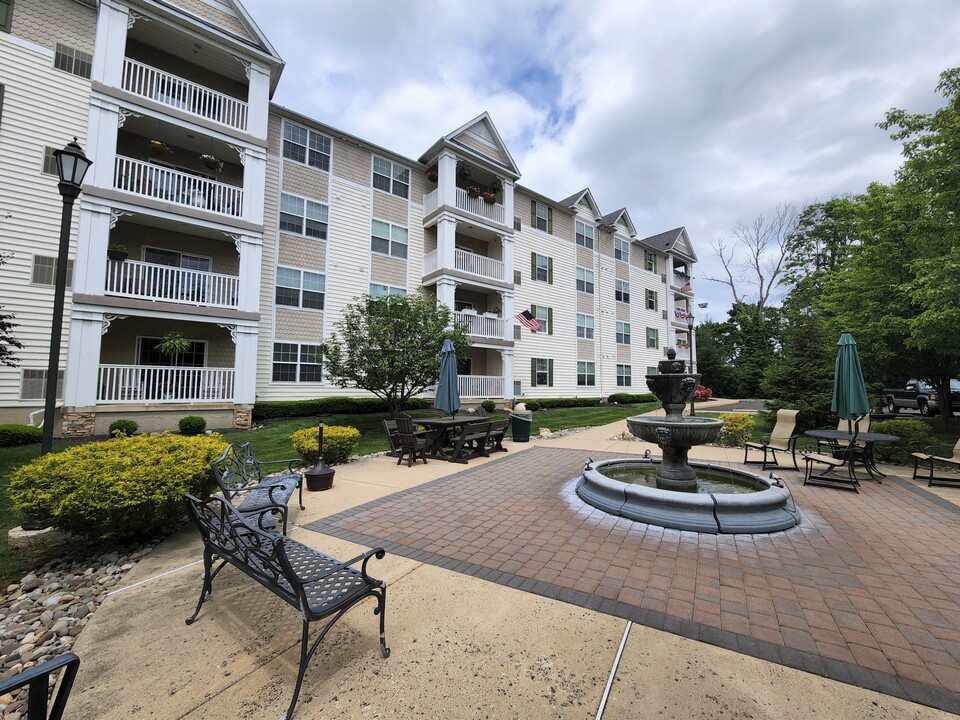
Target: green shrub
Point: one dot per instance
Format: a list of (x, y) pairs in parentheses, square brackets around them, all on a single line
[(192, 425), (914, 435), (328, 406), (339, 443), (11, 435), (546, 403), (122, 427), (532, 405), (488, 405), (631, 399), (129, 487), (736, 428)]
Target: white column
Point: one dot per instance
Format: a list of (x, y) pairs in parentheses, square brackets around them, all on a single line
[(446, 292), (80, 380), (111, 43), (508, 251), (446, 242), (447, 179), (250, 249), (258, 100), (508, 208), (507, 356), (254, 161), (245, 365), (93, 238), (102, 133), (508, 314)]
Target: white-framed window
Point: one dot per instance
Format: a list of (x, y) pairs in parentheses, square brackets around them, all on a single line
[(650, 260), (541, 268), (622, 291), (388, 239), (621, 249), (585, 326), (651, 300), (545, 316), (653, 338), (300, 288), (73, 61), (45, 271), (390, 177), (303, 217), (623, 333), (384, 290), (586, 373), (624, 376), (585, 280), (541, 216), (33, 384), (585, 235), (306, 146), (652, 370), (296, 362), (541, 372)]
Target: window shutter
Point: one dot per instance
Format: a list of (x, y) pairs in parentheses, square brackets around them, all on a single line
[(550, 271), (533, 372), (533, 213), (550, 372), (6, 14), (549, 321), (550, 220), (533, 266)]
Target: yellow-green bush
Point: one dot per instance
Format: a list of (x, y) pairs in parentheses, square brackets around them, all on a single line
[(128, 487), (736, 428), (339, 442)]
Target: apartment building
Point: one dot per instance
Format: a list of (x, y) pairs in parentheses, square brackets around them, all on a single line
[(248, 228)]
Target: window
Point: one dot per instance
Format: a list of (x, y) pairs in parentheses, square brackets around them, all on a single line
[(623, 333), (586, 373), (624, 376), (652, 370), (6, 14), (622, 292), (72, 61), (541, 216), (541, 372), (653, 338), (517, 277), (388, 239), (651, 299), (584, 235), (149, 354), (306, 146), (390, 177), (545, 316), (49, 162), (303, 217), (585, 326), (650, 260), (45, 271), (300, 288), (33, 385), (296, 362), (621, 249), (541, 268), (585, 280), (384, 290)]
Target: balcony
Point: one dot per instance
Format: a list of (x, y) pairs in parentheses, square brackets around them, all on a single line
[(148, 281), (480, 386), (681, 281), (154, 384), (473, 205), (177, 187), (166, 89), (467, 262), (488, 326)]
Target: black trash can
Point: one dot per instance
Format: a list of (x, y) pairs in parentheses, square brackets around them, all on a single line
[(520, 426)]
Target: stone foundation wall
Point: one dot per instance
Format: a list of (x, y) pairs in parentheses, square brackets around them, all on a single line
[(242, 417), (78, 424)]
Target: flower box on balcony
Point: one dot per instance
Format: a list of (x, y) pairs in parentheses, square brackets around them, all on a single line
[(473, 191)]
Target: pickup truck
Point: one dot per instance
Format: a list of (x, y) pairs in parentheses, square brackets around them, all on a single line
[(919, 395)]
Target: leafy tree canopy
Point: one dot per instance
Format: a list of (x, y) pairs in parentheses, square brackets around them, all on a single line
[(7, 341)]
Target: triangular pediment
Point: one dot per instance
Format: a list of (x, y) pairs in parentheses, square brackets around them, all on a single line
[(481, 138), (676, 241), (619, 221), (582, 202)]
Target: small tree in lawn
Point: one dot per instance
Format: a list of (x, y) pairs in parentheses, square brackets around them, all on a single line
[(7, 340), (390, 346)]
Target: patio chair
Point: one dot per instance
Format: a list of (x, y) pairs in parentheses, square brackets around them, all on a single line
[(412, 443), (781, 439), (861, 424), (390, 430), (927, 458), (833, 462)]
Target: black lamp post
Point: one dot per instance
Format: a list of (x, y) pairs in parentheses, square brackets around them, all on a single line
[(690, 342), (72, 165)]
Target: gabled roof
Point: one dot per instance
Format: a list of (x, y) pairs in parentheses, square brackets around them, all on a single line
[(619, 220), (478, 138), (675, 241), (582, 200)]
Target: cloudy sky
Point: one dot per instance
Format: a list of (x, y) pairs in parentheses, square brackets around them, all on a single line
[(696, 113)]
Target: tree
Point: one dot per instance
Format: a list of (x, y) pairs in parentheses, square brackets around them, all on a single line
[(390, 346), (7, 340)]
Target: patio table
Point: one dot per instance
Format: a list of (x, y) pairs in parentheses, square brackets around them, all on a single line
[(869, 439), (444, 426)]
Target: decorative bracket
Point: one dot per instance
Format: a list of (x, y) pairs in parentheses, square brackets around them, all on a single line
[(122, 116), (241, 151), (232, 329), (134, 16), (107, 319), (116, 215), (237, 239), (247, 66)]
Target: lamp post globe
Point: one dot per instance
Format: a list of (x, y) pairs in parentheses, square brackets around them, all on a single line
[(72, 166)]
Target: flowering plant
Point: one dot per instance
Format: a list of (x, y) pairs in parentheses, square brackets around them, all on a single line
[(489, 197), (433, 175), (211, 162), (158, 146), (474, 191), (702, 393)]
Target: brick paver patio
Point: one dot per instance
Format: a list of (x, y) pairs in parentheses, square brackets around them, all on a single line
[(866, 590)]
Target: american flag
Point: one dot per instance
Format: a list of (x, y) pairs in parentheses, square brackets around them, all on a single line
[(686, 288), (527, 319), (701, 305)]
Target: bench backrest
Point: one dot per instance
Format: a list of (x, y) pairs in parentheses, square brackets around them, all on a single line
[(236, 469)]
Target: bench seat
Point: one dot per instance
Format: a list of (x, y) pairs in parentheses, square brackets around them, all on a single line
[(247, 487)]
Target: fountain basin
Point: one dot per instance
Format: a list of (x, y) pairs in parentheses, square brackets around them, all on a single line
[(768, 508)]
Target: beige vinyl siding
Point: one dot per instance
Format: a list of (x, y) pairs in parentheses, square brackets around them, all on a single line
[(622, 270), (275, 134), (484, 148), (48, 22), (302, 252), (353, 164), (388, 271), (227, 21), (623, 355), (587, 303), (390, 208), (271, 257), (606, 244), (623, 310), (304, 326), (306, 182), (585, 350), (584, 256)]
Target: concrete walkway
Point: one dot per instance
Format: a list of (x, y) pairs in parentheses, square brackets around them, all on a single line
[(507, 647)]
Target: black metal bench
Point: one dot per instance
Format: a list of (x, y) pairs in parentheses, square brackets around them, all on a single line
[(316, 584), (241, 479), (37, 679)]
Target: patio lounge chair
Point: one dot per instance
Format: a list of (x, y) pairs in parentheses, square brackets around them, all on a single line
[(927, 458), (861, 424), (781, 439), (833, 462), (412, 443)]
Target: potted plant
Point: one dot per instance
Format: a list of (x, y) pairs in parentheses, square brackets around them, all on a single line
[(172, 343), (433, 175), (117, 252), (464, 170), (212, 162), (158, 147), (474, 191), (489, 197), (496, 186)]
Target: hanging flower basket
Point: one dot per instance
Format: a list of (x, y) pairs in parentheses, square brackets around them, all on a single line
[(474, 191), (158, 147), (489, 198), (209, 161), (433, 175)]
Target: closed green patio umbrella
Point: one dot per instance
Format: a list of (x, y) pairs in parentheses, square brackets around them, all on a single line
[(849, 392), (447, 399)]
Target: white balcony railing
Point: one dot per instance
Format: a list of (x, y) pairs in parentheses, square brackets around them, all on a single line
[(489, 326), (174, 186), (680, 281), (162, 87), (480, 386), (153, 384), (680, 314), (148, 281), (429, 262), (479, 206), (430, 202), (478, 265)]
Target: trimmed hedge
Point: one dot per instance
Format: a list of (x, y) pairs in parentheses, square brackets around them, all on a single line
[(631, 399), (11, 435), (121, 427), (914, 435), (488, 405), (547, 403), (192, 425), (125, 488), (328, 406), (339, 443)]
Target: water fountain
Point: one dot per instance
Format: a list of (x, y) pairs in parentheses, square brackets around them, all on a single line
[(673, 492)]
